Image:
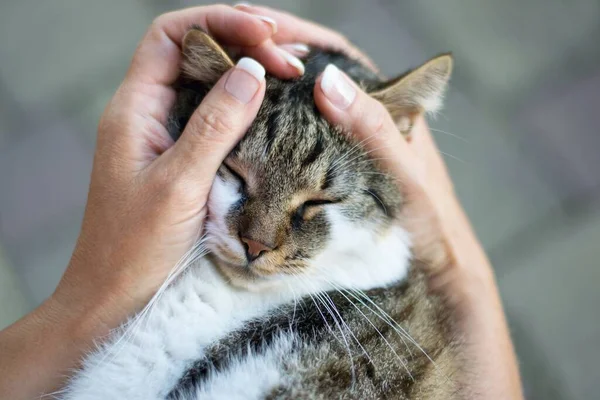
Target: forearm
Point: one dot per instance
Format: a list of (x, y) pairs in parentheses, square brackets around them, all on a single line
[(38, 352), (491, 366)]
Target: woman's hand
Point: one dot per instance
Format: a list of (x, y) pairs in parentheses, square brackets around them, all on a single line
[(457, 267), (147, 197)]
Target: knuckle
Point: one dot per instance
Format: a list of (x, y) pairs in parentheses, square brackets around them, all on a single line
[(161, 178), (212, 124), (169, 184), (376, 118)]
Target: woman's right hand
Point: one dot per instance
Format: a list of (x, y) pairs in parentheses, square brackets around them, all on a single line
[(457, 267)]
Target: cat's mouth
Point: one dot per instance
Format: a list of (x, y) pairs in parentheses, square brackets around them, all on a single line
[(247, 276), (232, 263), (251, 270), (240, 271)]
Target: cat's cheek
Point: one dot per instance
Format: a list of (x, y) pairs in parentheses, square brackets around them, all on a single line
[(342, 233), (223, 195), (357, 256)]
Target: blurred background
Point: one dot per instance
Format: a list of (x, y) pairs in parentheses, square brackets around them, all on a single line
[(520, 134)]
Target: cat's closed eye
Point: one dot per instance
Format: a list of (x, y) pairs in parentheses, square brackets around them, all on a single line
[(310, 208)]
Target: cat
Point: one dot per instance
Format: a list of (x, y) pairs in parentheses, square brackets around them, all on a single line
[(310, 289)]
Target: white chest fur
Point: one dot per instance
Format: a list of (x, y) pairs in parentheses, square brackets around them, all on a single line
[(201, 307)]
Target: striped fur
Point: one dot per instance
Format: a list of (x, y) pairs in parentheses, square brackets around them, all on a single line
[(335, 310)]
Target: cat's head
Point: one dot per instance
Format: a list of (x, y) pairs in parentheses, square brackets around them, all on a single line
[(296, 193)]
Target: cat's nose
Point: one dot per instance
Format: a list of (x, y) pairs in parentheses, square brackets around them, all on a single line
[(254, 249)]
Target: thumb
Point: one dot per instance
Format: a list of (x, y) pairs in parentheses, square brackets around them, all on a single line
[(219, 123), (342, 102)]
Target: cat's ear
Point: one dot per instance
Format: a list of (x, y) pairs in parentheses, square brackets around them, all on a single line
[(204, 61), (416, 92)]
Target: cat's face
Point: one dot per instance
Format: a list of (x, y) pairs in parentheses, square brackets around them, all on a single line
[(296, 195), (293, 189)]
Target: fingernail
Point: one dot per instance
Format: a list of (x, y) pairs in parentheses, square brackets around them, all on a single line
[(242, 4), (296, 49), (292, 60), (337, 88), (269, 21), (245, 79)]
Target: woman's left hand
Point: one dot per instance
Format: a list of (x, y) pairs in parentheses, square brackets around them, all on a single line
[(147, 198)]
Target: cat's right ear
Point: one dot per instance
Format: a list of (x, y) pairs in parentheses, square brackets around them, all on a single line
[(204, 61), (416, 92)]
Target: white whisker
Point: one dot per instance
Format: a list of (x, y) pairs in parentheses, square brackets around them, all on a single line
[(450, 134), (131, 327), (343, 336), (452, 157), (402, 362)]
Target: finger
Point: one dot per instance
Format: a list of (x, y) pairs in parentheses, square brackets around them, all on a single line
[(157, 59), (291, 29), (296, 49), (343, 103), (145, 96), (425, 149), (218, 123), (276, 60)]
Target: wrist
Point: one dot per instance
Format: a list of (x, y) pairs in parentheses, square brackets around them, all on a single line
[(97, 293), (88, 311)]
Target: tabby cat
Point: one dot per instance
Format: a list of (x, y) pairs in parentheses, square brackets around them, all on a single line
[(308, 290)]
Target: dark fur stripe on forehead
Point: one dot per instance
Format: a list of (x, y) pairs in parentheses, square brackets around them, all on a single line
[(314, 153), (272, 125), (329, 178)]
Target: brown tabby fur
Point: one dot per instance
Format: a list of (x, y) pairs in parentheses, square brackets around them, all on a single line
[(286, 158)]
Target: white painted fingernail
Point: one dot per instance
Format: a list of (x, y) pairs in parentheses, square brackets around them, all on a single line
[(292, 60), (251, 66), (269, 21), (336, 87), (245, 79), (297, 49)]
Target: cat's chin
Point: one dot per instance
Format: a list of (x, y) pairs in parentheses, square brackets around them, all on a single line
[(244, 276)]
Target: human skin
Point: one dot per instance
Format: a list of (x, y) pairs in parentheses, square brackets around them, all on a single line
[(147, 201)]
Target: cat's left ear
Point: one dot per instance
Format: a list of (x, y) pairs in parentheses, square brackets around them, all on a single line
[(204, 61), (416, 92)]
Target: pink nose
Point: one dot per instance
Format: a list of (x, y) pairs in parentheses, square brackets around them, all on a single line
[(254, 249)]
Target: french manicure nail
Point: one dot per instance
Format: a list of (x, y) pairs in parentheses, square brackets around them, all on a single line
[(297, 49), (245, 79), (292, 60), (269, 21), (337, 88)]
